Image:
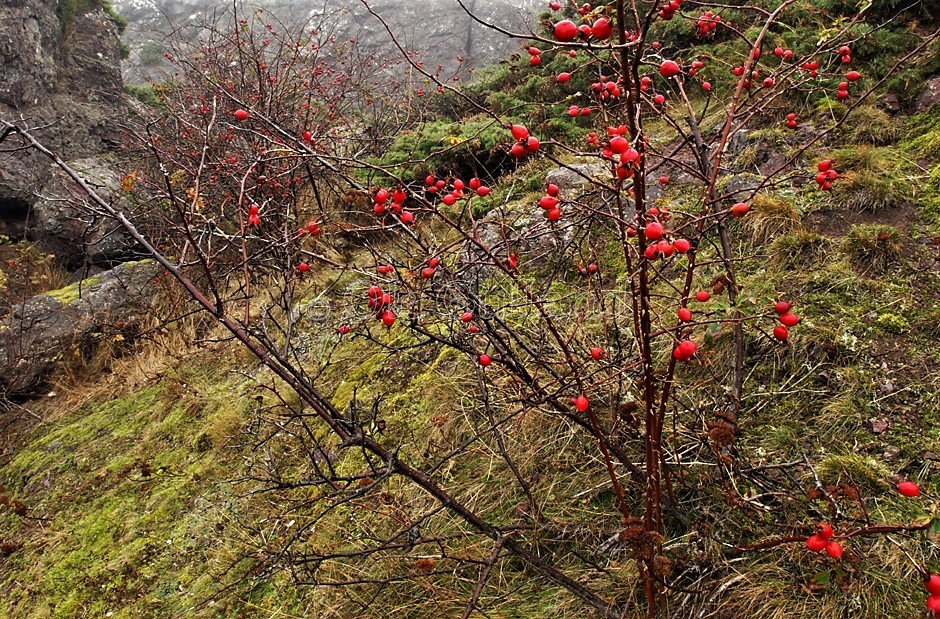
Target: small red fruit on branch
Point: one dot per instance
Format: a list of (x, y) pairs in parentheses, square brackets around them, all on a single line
[(834, 550), (816, 543), (908, 489), (565, 31), (740, 209), (932, 584), (669, 68)]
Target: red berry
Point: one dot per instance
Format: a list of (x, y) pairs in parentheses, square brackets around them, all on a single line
[(834, 550), (566, 30), (853, 76), (564, 77), (654, 231), (681, 245), (548, 202), (388, 318), (782, 307), (427, 272), (740, 209), (466, 316), (933, 604), (825, 531), (824, 166), (303, 267), (581, 403), (685, 314), (908, 489), (597, 353), (519, 132), (241, 115), (485, 360), (517, 150), (789, 320), (815, 543), (702, 296), (668, 68), (602, 29), (932, 584), (781, 333), (483, 191)]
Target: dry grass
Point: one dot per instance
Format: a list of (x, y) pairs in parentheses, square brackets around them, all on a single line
[(771, 217)]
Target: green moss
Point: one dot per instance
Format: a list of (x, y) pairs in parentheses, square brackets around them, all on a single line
[(73, 291), (892, 323)]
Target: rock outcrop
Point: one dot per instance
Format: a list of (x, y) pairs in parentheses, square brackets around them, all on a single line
[(38, 334), (62, 79)]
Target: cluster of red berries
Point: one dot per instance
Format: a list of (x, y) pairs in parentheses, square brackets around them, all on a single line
[(619, 147), (574, 111), (535, 56), (604, 89), (467, 317), (567, 31), (550, 201), (707, 23), (786, 318), (524, 143), (826, 174), (381, 203), (932, 584), (311, 229), (456, 190), (843, 91), (380, 302), (669, 10), (822, 540), (791, 120)]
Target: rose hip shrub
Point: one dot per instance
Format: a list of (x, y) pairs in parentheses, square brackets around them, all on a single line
[(541, 344)]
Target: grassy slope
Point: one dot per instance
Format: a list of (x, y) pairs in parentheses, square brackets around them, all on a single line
[(132, 504)]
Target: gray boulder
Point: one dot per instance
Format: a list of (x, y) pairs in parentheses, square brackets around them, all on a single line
[(929, 97), (38, 335), (64, 228)]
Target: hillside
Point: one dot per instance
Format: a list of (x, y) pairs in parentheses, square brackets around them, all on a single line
[(392, 396)]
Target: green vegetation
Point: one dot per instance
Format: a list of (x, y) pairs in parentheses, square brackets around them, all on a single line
[(151, 54), (163, 487), (144, 94), (68, 10)]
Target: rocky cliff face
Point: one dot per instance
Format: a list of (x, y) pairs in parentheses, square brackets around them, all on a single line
[(440, 29), (61, 65)]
